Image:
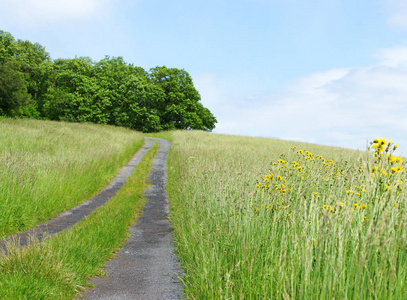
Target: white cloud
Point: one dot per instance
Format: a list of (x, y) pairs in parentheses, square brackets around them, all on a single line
[(339, 107), (396, 11), (37, 13), (393, 57)]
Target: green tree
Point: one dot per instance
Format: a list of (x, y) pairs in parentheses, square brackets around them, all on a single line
[(13, 91), (181, 108), (137, 109), (133, 97), (14, 98), (107, 92), (27, 62), (76, 94), (31, 55), (8, 46)]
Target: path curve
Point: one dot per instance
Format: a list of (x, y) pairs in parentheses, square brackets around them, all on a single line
[(69, 218), (146, 268)]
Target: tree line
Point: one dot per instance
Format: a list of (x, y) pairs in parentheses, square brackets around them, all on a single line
[(110, 91)]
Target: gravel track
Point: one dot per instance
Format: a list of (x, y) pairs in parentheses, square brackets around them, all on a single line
[(146, 268)]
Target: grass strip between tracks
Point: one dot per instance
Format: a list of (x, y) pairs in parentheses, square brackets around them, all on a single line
[(59, 267)]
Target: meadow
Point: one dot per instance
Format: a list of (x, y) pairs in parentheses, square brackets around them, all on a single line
[(259, 218), (253, 218), (49, 167)]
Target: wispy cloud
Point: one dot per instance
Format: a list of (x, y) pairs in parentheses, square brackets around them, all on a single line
[(396, 11), (38, 13), (393, 57), (341, 107)]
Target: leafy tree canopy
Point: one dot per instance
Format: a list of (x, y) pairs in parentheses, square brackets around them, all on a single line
[(13, 92), (181, 108), (110, 91)]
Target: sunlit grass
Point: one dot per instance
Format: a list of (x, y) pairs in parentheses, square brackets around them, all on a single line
[(48, 167), (258, 219)]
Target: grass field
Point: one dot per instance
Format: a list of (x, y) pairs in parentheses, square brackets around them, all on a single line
[(48, 167), (253, 218), (268, 219)]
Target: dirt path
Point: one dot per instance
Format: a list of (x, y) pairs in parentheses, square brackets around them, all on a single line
[(146, 268), (69, 218)]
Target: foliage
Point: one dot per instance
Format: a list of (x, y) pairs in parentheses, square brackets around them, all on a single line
[(106, 92), (134, 98), (15, 58), (76, 95), (181, 108), (8, 46), (13, 91)]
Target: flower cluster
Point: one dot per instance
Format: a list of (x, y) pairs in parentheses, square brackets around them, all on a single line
[(340, 188), (276, 183), (387, 168), (382, 146)]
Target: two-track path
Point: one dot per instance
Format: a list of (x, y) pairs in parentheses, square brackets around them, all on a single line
[(146, 268)]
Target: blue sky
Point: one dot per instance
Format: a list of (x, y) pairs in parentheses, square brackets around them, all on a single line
[(328, 72)]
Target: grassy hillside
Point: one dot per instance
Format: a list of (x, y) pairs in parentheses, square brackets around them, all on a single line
[(268, 219), (48, 167), (253, 218)]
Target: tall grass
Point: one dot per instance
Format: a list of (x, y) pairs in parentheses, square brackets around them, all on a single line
[(256, 219), (60, 266), (48, 167)]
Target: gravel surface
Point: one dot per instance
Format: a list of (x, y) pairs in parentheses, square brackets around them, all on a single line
[(146, 268), (69, 218)]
